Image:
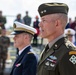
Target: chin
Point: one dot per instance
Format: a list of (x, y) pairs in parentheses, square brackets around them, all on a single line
[(43, 36), (15, 46)]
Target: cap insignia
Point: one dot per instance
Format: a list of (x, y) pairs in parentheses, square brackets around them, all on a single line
[(41, 12), (14, 25)]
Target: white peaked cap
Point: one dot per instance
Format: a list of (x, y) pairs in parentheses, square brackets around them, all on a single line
[(69, 31), (20, 28)]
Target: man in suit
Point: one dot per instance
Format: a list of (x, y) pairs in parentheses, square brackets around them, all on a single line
[(59, 56), (26, 62)]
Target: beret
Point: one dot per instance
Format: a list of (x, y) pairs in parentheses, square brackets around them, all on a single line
[(51, 8), (21, 28)]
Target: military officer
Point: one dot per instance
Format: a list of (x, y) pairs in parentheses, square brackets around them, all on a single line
[(59, 55), (70, 34), (26, 62)]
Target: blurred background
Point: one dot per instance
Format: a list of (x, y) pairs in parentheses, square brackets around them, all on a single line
[(12, 8)]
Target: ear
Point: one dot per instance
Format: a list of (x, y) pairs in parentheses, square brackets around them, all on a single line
[(26, 36), (57, 23)]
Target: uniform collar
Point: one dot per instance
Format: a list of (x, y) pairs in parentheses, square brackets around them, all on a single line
[(52, 42), (23, 49)]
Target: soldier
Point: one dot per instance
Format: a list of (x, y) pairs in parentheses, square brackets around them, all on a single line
[(26, 62), (4, 44), (70, 34), (2, 20), (59, 56)]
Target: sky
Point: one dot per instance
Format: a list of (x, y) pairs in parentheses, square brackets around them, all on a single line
[(11, 8)]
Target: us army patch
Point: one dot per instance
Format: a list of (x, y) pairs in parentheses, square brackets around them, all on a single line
[(73, 59)]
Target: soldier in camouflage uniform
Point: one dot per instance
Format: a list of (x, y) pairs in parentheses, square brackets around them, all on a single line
[(4, 44), (2, 20)]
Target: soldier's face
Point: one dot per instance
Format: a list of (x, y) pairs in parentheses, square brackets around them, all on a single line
[(19, 41), (70, 38), (47, 27)]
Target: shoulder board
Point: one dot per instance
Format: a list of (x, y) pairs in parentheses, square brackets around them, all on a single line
[(30, 53), (70, 45)]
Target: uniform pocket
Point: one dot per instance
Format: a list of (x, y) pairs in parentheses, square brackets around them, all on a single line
[(50, 64)]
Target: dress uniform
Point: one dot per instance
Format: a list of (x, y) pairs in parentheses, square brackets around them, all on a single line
[(59, 53), (26, 62), (70, 34)]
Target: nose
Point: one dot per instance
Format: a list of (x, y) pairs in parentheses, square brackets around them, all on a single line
[(40, 24), (14, 38)]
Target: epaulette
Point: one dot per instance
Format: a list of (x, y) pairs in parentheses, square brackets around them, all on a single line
[(30, 53), (70, 44)]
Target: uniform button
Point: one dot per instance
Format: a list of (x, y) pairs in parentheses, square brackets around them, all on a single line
[(56, 46)]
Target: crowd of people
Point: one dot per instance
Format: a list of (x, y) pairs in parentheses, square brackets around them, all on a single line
[(59, 55)]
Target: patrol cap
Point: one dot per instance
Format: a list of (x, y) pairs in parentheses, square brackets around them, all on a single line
[(51, 8), (69, 32), (21, 28)]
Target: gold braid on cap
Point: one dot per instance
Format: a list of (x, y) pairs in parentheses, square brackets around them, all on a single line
[(14, 26), (23, 29)]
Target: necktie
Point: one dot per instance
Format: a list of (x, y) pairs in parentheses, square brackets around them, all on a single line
[(46, 48), (43, 54)]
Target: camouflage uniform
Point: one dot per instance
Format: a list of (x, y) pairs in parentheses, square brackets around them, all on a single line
[(3, 21), (4, 44)]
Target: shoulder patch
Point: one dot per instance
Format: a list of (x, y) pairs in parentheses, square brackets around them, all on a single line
[(72, 52), (30, 53), (73, 59)]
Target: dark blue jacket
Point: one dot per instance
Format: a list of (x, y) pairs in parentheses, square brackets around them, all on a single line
[(25, 64)]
